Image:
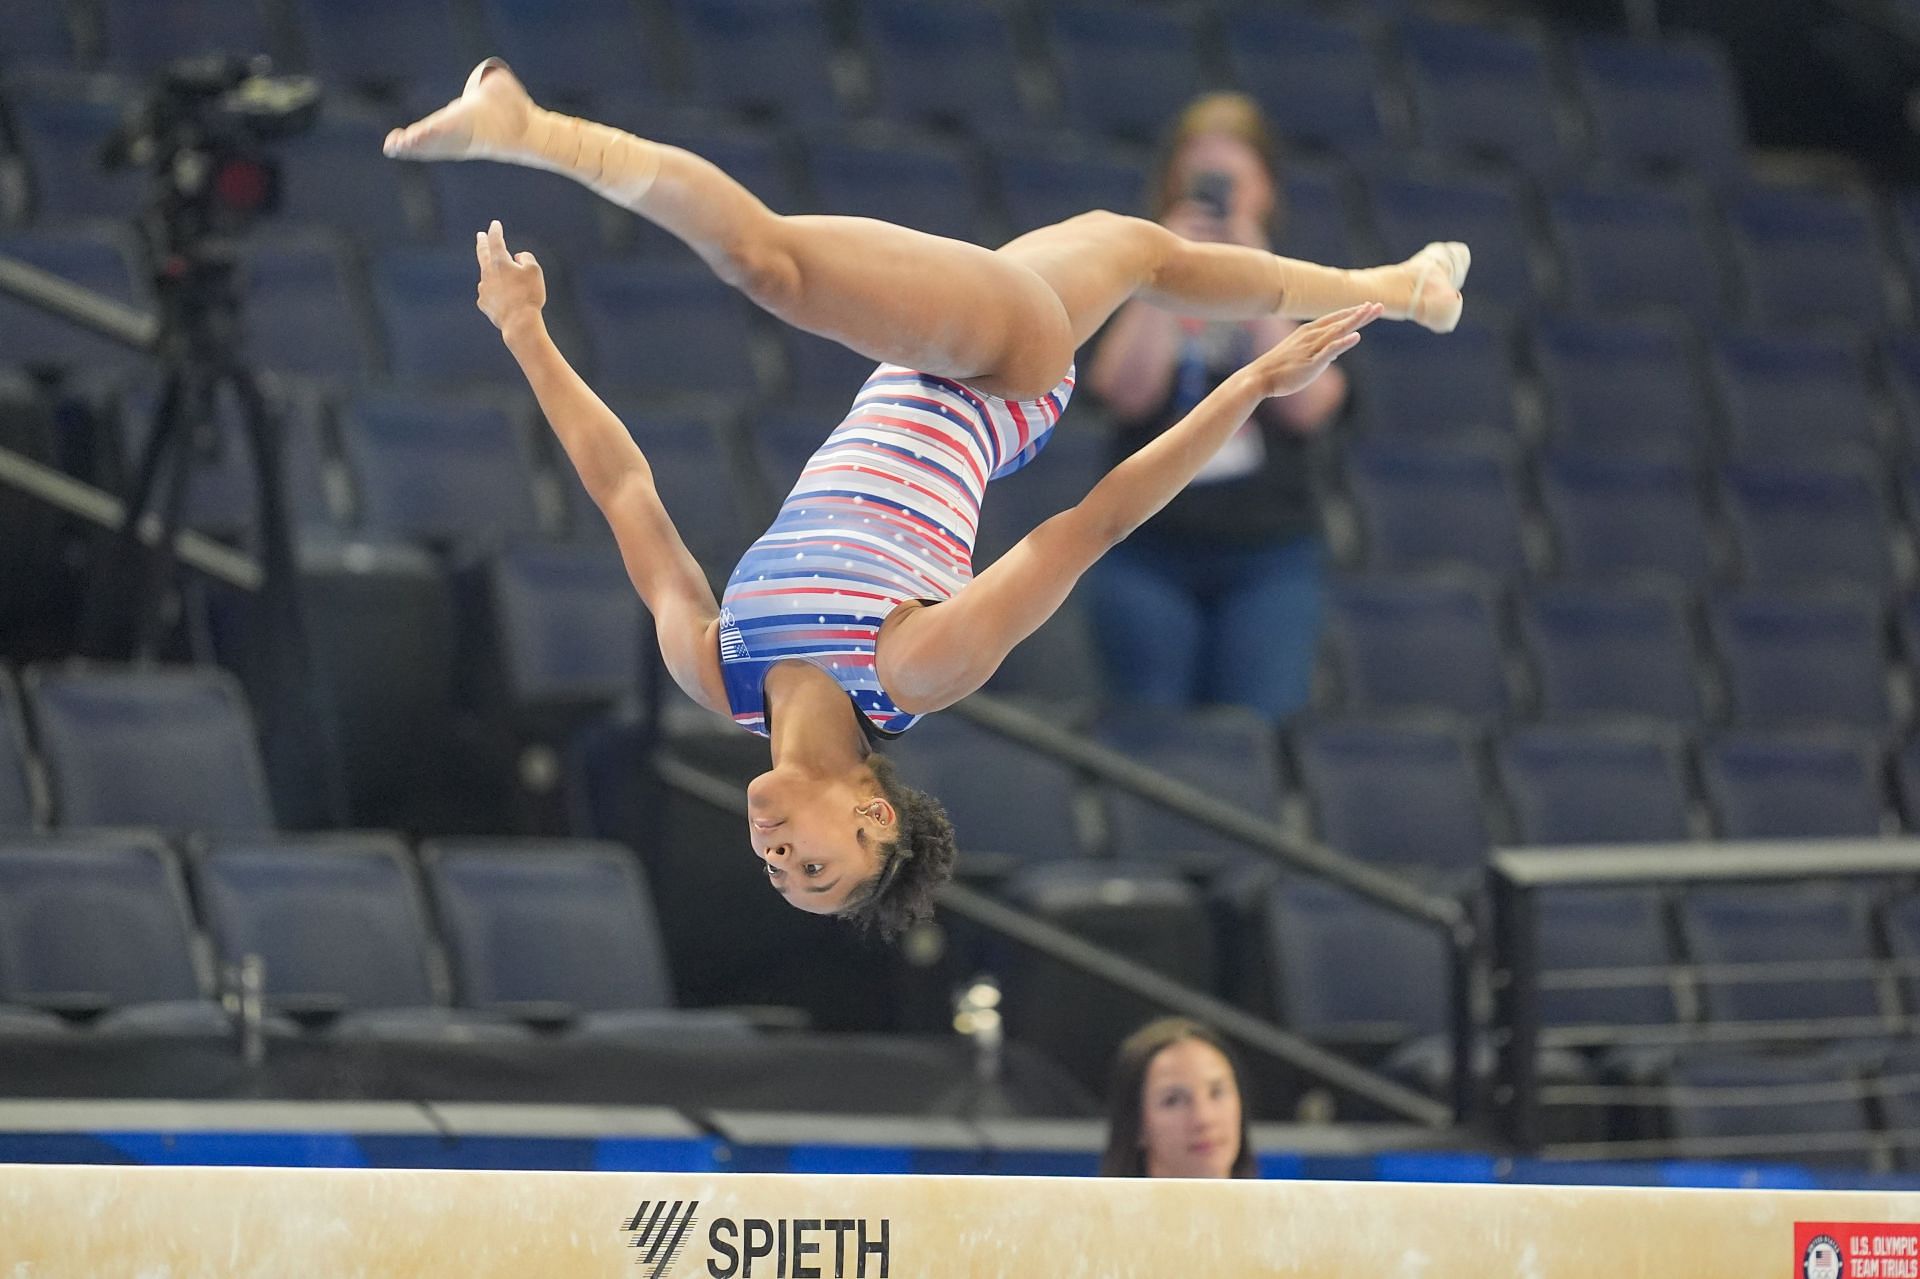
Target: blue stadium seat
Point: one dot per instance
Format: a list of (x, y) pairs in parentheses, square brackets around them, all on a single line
[(1150, 914), (60, 122), (1794, 786), (1409, 643), (1615, 386), (1808, 256), (334, 176), (1422, 507), (1002, 799), (561, 928), (38, 33), (19, 809), (1589, 928), (694, 474), (1798, 923), (301, 314), (1412, 210), (944, 62), (1046, 178), (143, 36), (1668, 108), (438, 470), (170, 748), (435, 335), (1315, 77), (588, 51), (1808, 525), (1395, 794), (1630, 248), (1227, 751), (1799, 661), (1594, 786), (1125, 69), (373, 45), (666, 329), (896, 177), (1744, 1106), (769, 56), (568, 627), (1479, 92), (98, 259), (92, 924), (559, 220), (1347, 970), (1798, 395), (293, 901), (1618, 516), (1423, 387), (1317, 226), (1610, 651)]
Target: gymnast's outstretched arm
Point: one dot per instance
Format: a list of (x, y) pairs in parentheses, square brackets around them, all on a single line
[(513, 293), (938, 654)]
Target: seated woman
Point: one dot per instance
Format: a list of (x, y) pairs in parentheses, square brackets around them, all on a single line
[(858, 611), (1174, 1109)]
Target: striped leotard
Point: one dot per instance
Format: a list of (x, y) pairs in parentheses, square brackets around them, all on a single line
[(885, 511)]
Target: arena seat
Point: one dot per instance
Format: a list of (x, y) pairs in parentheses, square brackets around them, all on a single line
[(1610, 651), (173, 748)]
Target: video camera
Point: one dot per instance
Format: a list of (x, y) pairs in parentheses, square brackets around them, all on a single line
[(202, 132)]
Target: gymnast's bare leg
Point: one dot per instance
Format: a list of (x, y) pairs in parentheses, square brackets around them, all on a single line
[(1005, 322)]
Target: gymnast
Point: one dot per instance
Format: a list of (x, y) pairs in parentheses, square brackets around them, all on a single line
[(858, 611)]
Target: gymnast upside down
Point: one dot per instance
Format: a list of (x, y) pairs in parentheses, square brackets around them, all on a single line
[(858, 611)]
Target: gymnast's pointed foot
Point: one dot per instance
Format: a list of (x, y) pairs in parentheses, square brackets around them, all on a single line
[(488, 121), (1438, 271)]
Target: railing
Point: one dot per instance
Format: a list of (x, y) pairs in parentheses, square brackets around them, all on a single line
[(1516, 877)]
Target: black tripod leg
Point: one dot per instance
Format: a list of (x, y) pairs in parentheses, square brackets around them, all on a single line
[(194, 413), (110, 613), (296, 722)]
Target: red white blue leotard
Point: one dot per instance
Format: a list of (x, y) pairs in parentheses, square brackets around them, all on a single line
[(885, 512)]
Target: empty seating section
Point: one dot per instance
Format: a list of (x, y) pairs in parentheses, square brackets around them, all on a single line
[(442, 471), (1666, 108)]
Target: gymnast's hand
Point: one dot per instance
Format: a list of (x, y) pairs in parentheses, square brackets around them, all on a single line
[(512, 286), (1305, 353)]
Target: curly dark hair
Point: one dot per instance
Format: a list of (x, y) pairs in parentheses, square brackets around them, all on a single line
[(913, 864)]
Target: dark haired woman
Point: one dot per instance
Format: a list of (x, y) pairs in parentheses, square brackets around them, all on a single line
[(1218, 598), (859, 611), (1174, 1109)]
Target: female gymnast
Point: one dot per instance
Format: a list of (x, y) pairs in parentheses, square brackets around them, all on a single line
[(858, 612)]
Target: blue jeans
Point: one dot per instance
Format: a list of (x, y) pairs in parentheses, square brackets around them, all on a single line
[(1199, 625)]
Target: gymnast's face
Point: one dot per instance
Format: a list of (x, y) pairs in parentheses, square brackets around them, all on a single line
[(818, 840), (1190, 1112)]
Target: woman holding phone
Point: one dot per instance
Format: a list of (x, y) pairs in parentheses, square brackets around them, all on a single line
[(1217, 599)]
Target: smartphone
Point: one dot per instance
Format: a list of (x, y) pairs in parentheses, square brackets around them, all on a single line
[(1212, 190)]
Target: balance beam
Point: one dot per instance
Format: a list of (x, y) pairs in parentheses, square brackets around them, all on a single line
[(187, 1223)]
